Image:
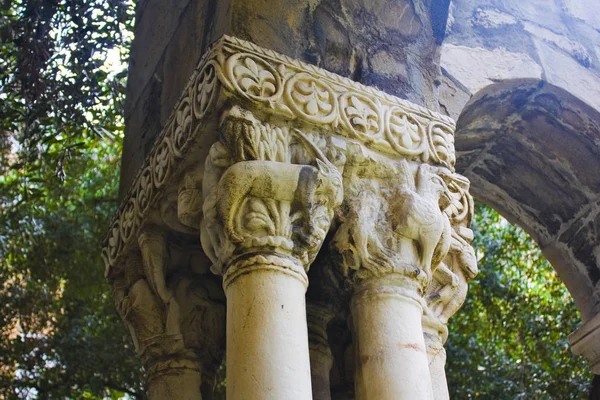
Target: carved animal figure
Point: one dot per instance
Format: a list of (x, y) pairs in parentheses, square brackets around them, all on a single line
[(357, 236), (416, 215), (143, 314), (448, 299), (305, 186), (154, 255)]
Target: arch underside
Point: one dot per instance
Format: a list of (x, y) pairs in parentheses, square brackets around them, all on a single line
[(532, 152)]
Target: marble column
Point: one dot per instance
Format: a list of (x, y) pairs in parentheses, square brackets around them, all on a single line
[(387, 315), (321, 358), (264, 220), (267, 339)]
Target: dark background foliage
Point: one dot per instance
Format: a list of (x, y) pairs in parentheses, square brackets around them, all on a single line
[(61, 127), (60, 132)]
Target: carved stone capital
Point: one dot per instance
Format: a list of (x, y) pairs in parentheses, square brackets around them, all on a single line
[(287, 92), (176, 316), (260, 201), (394, 220), (448, 287)]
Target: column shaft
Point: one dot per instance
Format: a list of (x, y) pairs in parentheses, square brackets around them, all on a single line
[(320, 369), (176, 383), (321, 358), (437, 367), (267, 339), (391, 357)]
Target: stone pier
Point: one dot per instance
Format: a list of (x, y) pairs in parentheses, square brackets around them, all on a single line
[(266, 165)]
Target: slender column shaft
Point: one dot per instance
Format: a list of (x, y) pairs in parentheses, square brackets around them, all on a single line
[(437, 362), (267, 339), (321, 359), (320, 365), (391, 358), (175, 383)]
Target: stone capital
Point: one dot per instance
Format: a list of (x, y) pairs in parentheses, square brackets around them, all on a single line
[(585, 341), (399, 217), (269, 192)]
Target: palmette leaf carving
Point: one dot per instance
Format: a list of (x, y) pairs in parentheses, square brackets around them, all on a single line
[(312, 99), (253, 77), (204, 90)]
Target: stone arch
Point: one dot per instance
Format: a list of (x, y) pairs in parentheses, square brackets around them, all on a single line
[(532, 152)]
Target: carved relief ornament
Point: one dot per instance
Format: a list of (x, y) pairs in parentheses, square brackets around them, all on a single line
[(260, 200), (234, 71)]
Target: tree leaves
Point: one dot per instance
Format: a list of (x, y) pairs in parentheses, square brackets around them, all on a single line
[(60, 130), (509, 339)]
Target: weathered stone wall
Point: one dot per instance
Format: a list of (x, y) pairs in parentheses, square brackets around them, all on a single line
[(392, 45), (489, 41), (532, 151)]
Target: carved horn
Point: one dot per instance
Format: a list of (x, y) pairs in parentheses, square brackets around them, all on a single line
[(315, 150)]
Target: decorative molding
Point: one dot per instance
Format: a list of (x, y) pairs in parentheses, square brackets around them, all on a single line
[(277, 86), (585, 341), (299, 91)]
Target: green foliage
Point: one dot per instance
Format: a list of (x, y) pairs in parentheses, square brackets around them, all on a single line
[(61, 336), (57, 88), (509, 341), (60, 131)]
